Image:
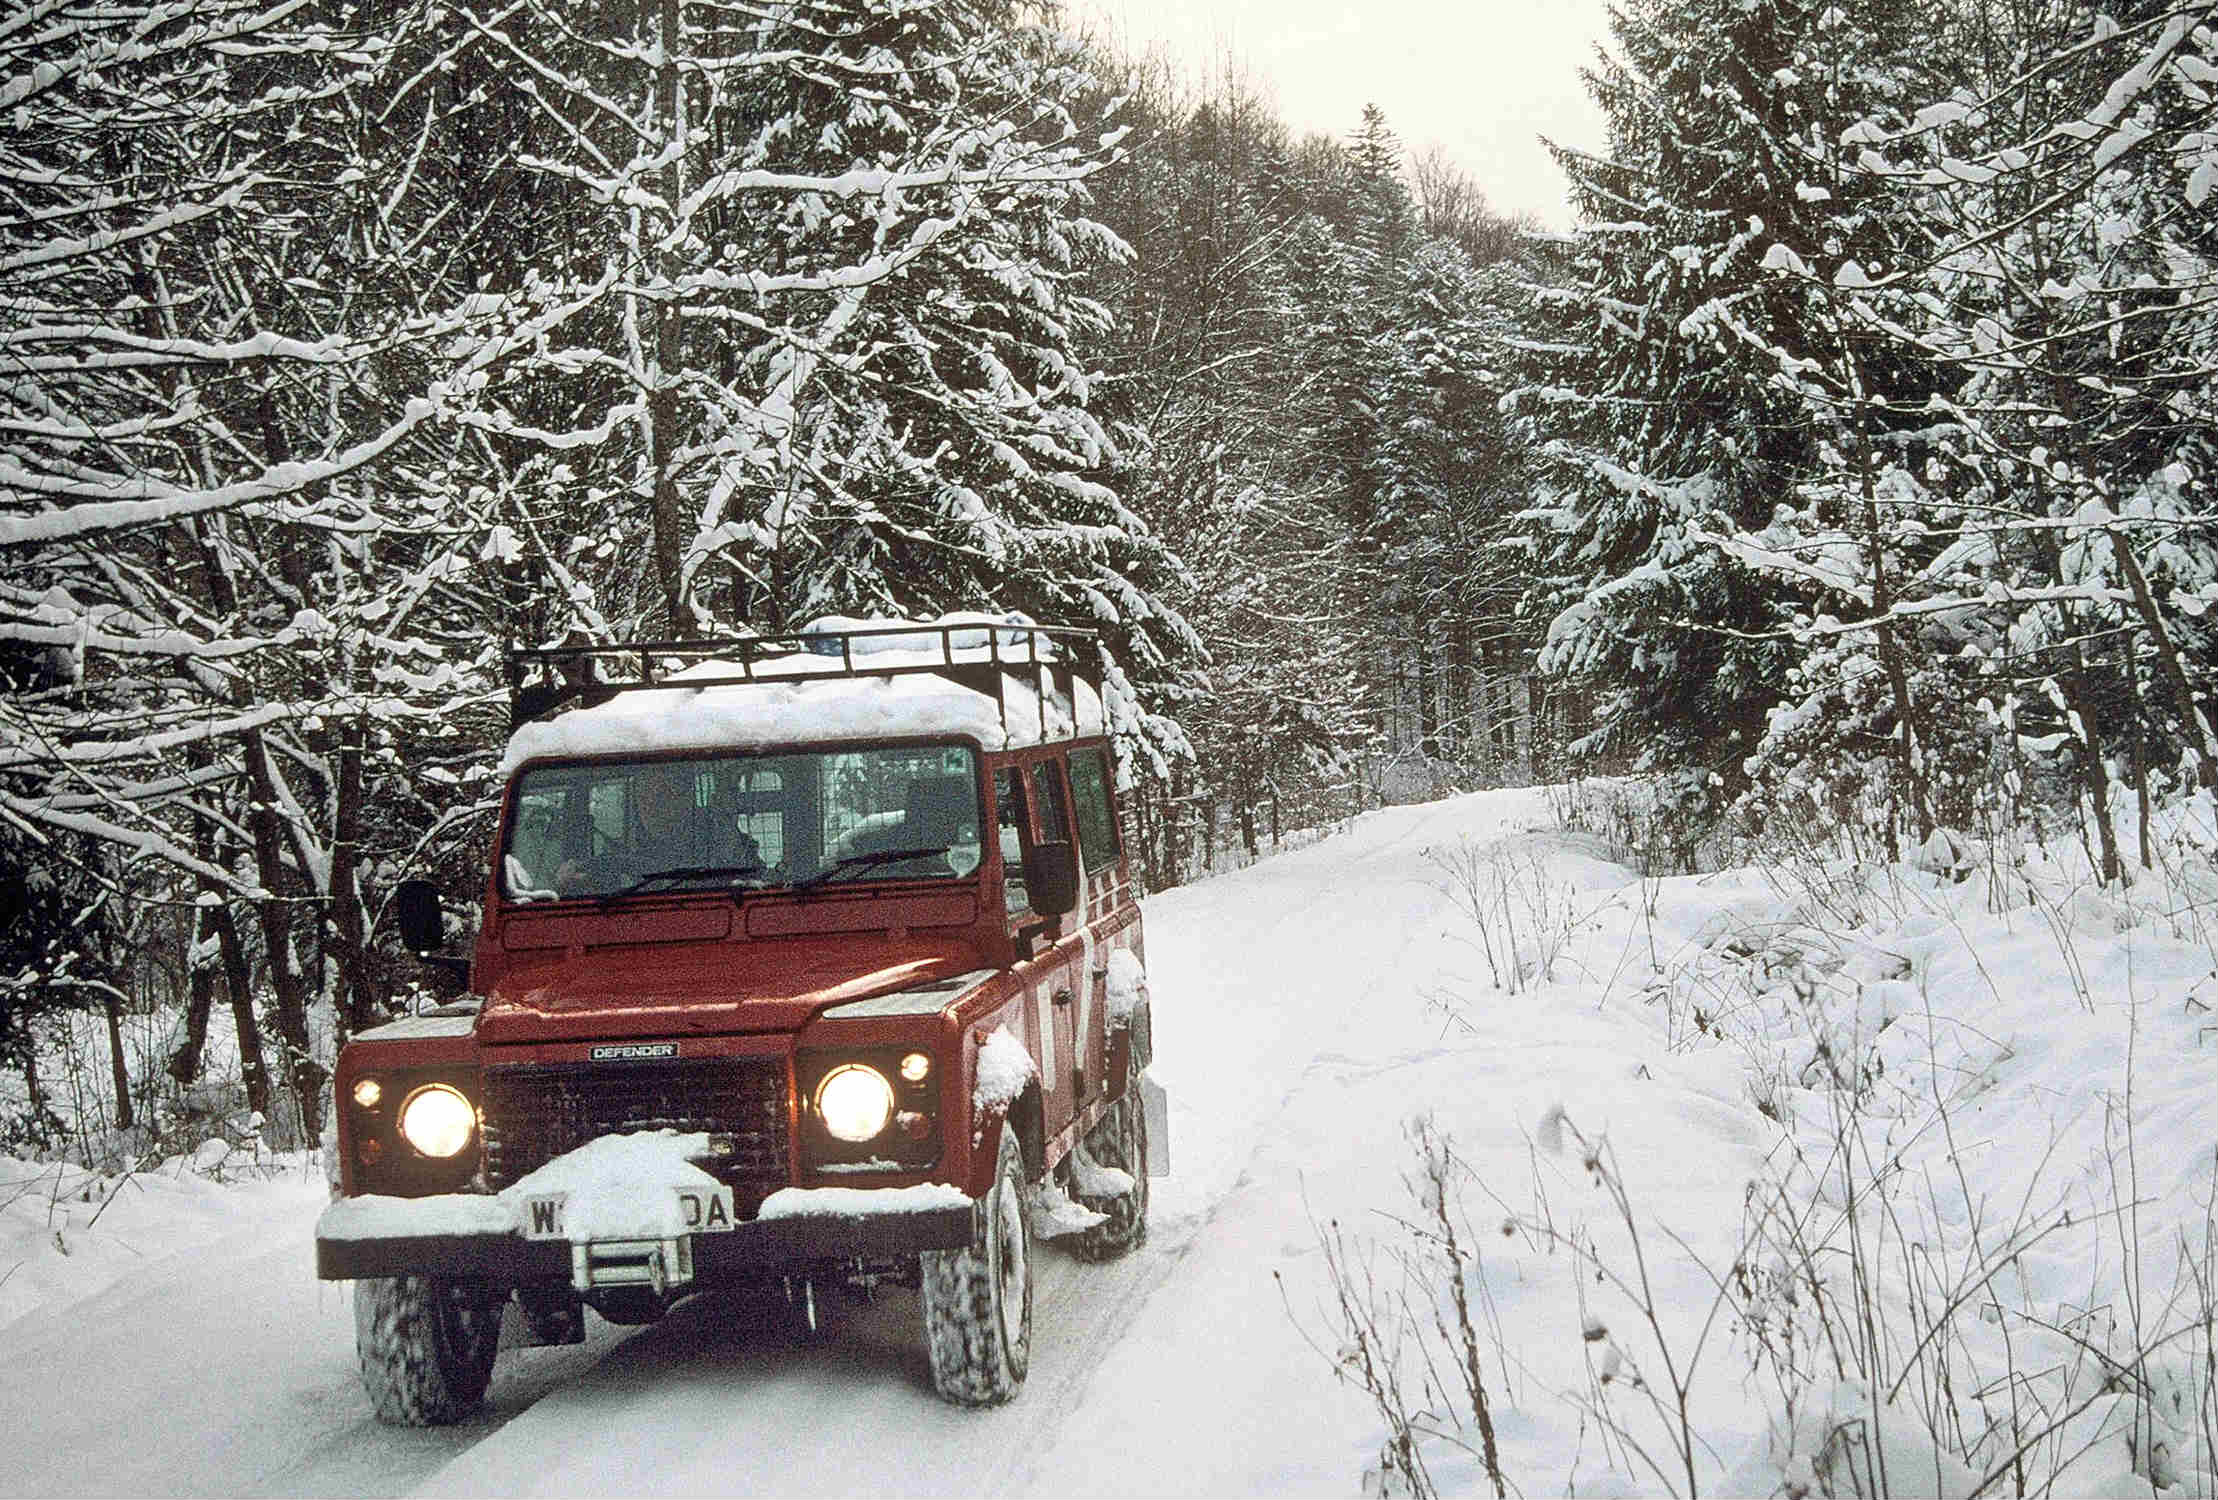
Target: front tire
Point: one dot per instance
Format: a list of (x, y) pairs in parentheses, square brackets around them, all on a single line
[(978, 1300), (1118, 1140), (426, 1345)]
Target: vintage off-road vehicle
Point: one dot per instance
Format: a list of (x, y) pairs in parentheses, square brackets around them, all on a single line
[(810, 961)]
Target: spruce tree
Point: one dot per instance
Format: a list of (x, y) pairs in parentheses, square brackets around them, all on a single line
[(1682, 389)]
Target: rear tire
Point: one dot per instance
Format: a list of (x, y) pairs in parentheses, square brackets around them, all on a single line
[(426, 1345), (978, 1300), (1119, 1139)]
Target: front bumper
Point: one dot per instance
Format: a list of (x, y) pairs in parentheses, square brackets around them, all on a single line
[(504, 1257)]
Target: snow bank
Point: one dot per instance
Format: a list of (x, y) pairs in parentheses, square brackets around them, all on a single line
[(66, 1234)]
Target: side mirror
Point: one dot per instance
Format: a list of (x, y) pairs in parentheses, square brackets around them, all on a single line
[(416, 910), (1051, 877)]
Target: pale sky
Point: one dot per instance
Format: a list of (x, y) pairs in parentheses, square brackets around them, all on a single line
[(1483, 78)]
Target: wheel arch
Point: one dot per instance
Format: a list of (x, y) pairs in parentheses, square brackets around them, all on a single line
[(1024, 1116)]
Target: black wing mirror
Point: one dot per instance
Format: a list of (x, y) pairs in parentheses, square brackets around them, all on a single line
[(416, 910), (1051, 878)]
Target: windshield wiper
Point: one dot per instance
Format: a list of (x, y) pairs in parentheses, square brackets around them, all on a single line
[(867, 861), (735, 873)]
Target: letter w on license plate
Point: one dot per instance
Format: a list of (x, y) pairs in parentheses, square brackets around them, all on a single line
[(704, 1210)]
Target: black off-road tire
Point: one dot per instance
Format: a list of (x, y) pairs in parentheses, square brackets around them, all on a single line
[(1119, 1139), (426, 1344), (978, 1300)]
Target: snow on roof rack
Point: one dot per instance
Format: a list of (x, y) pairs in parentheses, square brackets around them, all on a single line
[(976, 651)]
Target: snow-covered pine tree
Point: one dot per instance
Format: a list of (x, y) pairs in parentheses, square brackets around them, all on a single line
[(1668, 378), (1448, 479), (2071, 168)]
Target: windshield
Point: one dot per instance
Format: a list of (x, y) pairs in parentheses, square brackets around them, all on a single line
[(743, 822)]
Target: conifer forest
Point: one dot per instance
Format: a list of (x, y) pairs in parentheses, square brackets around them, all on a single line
[(1847, 455)]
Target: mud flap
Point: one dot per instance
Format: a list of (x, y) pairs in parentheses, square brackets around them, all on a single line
[(1157, 1106)]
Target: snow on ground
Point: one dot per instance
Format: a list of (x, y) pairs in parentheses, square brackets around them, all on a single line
[(66, 1233), (1463, 972)]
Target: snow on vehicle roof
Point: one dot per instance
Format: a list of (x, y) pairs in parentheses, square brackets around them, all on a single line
[(702, 709)]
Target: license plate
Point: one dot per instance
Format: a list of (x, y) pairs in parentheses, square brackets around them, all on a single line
[(706, 1210), (700, 1211)]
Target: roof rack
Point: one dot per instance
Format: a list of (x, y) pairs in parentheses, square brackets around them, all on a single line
[(569, 672)]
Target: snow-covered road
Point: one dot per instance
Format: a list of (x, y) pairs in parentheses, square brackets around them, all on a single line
[(1294, 1037), (1309, 1012)]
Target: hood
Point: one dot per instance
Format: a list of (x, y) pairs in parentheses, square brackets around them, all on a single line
[(620, 993)]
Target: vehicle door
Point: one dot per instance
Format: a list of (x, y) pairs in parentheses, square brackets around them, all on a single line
[(1070, 987), (1051, 954), (1108, 906)]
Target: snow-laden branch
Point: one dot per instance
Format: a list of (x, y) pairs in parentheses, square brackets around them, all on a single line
[(147, 501)]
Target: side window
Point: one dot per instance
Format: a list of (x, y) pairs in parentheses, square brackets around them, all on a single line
[(1097, 821), (1008, 796), (535, 844), (1054, 814)]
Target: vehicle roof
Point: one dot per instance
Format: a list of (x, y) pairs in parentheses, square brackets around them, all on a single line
[(719, 713)]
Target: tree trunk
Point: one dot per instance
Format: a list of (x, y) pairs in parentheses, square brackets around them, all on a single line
[(119, 1067), (1462, 694), (239, 979), (1540, 754), (2191, 714), (349, 929), (1891, 660), (302, 1072), (2080, 705), (663, 438), (2093, 773), (1174, 829), (2139, 737), (1428, 715), (183, 1064), (33, 1086)]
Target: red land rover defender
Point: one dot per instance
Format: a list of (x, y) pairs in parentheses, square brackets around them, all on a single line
[(806, 961)]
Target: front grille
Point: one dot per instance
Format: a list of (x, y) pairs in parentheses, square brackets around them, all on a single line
[(536, 1112)]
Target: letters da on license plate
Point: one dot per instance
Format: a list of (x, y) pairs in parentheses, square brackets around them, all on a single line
[(701, 1210)]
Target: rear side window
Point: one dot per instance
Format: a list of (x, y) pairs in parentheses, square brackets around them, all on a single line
[(1097, 821), (1054, 812), (1008, 796)]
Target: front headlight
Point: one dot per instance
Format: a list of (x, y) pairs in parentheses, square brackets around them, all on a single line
[(854, 1102), (437, 1120)]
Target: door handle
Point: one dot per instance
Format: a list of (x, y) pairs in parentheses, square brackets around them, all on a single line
[(1062, 997)]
